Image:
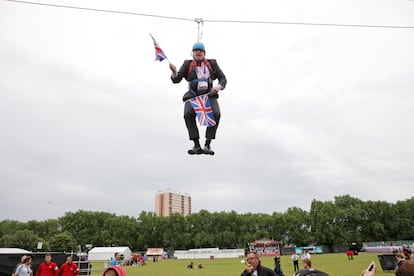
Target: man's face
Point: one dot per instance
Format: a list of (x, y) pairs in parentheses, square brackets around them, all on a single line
[(253, 260), (198, 55), (118, 256), (48, 258), (278, 260)]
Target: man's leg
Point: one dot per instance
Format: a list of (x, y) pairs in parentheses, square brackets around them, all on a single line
[(190, 122), (211, 131)]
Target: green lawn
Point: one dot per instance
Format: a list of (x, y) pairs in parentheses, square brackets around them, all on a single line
[(334, 264)]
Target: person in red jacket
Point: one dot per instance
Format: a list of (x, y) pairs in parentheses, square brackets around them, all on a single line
[(69, 268), (47, 268)]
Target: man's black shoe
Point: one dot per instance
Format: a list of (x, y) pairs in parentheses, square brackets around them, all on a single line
[(207, 150), (195, 150)]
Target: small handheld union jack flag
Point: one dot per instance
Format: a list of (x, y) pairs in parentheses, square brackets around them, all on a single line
[(159, 54), (204, 111)]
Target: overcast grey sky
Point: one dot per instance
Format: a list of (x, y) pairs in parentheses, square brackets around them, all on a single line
[(88, 119)]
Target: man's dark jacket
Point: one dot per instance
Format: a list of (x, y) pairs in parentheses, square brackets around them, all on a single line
[(261, 271), (182, 73), (311, 272)]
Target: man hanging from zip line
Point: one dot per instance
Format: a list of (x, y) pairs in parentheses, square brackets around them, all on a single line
[(200, 74)]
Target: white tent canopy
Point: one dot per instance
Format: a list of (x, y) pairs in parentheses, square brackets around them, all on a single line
[(205, 253), (13, 251), (107, 253)]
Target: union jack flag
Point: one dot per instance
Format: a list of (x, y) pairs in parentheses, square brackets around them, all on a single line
[(202, 107), (159, 54)]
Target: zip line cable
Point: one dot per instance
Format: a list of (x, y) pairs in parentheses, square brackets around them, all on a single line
[(312, 24), (98, 10), (199, 20)]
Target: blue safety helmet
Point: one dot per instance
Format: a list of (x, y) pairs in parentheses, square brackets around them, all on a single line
[(199, 46)]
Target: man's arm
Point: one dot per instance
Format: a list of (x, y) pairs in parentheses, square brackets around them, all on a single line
[(56, 269), (177, 76), (17, 269), (77, 270), (218, 73)]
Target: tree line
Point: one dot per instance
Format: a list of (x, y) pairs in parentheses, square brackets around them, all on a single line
[(339, 222)]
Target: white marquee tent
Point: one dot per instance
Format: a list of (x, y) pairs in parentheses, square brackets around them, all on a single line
[(208, 253), (107, 253), (14, 251)]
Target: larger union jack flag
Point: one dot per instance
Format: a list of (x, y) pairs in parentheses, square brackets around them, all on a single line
[(202, 107), (159, 54)]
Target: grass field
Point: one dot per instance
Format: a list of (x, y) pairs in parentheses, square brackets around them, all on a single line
[(333, 264)]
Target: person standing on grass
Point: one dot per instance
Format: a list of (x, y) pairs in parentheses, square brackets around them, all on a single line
[(69, 268), (278, 267), (115, 259), (306, 255), (47, 268), (25, 268), (295, 259), (22, 261)]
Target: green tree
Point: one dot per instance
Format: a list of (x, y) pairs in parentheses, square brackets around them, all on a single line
[(90, 227), (351, 215), (44, 229), (225, 229), (124, 231), (11, 227), (378, 221), (404, 219), (24, 239), (326, 223), (63, 242), (177, 233), (297, 227), (344, 220), (149, 230), (278, 227)]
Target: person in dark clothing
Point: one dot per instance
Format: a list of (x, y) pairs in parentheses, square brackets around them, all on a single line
[(308, 270), (200, 74), (190, 265), (278, 267), (254, 267)]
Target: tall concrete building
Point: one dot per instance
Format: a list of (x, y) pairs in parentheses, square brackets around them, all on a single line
[(167, 203)]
